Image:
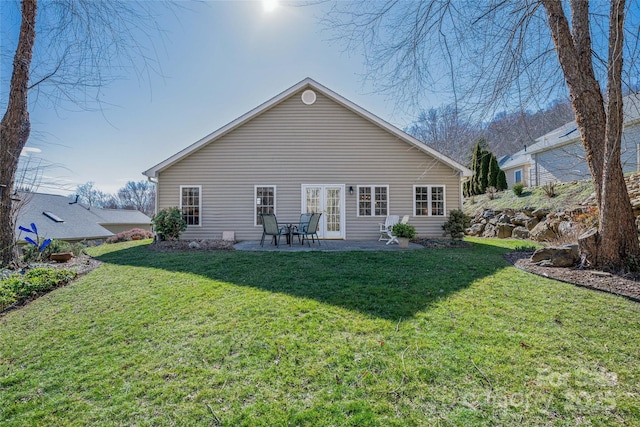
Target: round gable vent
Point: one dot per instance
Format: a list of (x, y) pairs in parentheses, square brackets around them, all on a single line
[(308, 97)]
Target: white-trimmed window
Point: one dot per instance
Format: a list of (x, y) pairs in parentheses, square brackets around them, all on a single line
[(428, 200), (265, 201), (373, 200), (517, 176), (191, 203)]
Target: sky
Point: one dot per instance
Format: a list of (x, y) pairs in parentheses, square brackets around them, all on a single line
[(218, 61)]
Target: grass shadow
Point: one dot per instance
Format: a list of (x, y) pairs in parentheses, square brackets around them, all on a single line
[(389, 285)]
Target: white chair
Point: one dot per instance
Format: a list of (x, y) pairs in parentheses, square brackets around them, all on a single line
[(385, 229), (392, 238)]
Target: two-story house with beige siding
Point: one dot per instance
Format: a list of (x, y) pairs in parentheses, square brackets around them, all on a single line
[(308, 149)]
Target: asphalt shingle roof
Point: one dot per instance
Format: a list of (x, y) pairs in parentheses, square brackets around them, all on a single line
[(78, 221)]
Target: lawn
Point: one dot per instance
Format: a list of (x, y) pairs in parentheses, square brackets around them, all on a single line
[(429, 337)]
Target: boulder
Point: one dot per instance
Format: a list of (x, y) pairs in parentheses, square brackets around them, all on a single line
[(560, 256), (504, 219), (520, 219), (520, 232), (475, 229), (194, 245), (504, 231), (566, 228), (542, 232), (540, 213), (489, 231), (488, 213), (533, 221)]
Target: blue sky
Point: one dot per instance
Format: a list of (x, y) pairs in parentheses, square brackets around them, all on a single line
[(219, 60)]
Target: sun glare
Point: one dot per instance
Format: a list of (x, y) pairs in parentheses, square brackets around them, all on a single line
[(269, 5)]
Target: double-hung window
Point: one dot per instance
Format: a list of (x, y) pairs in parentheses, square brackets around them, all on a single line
[(191, 203), (429, 200), (265, 201), (517, 176), (373, 200)]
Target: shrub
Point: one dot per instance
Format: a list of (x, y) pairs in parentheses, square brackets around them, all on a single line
[(169, 223), (31, 253), (404, 230), (35, 281), (7, 296), (133, 234), (518, 189), (456, 224), (549, 189), (587, 219), (492, 193)]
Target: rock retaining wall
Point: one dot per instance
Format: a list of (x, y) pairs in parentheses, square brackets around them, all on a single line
[(534, 224), (541, 224)]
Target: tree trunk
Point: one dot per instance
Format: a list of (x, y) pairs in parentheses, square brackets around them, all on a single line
[(619, 235), (15, 127), (600, 127)]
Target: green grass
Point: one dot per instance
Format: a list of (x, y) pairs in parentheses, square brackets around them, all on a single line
[(568, 195), (450, 337)]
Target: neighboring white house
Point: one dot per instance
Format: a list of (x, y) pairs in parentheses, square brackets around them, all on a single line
[(559, 156), (308, 149), (58, 217)]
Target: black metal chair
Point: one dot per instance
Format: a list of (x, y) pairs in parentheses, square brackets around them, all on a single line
[(309, 229), (270, 228)]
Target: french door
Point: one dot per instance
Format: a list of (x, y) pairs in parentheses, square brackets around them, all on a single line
[(329, 200)]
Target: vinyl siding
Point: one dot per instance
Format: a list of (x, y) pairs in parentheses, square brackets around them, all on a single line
[(293, 144), (567, 162), (510, 174)]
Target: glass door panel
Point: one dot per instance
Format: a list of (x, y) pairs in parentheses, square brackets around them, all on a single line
[(329, 200)]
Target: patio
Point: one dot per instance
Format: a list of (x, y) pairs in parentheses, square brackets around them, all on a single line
[(325, 245)]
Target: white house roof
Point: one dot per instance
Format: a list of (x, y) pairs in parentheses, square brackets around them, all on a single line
[(566, 134), (310, 83), (569, 132)]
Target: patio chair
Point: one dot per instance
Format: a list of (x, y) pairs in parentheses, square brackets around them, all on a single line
[(310, 229), (385, 229), (303, 224), (270, 228), (392, 238)]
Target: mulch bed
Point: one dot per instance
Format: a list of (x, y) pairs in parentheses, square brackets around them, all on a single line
[(625, 284), (183, 245)]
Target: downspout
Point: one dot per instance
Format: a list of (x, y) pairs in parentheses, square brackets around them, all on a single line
[(151, 180)]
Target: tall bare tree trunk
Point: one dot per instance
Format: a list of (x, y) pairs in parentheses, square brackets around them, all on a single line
[(15, 126), (600, 125)]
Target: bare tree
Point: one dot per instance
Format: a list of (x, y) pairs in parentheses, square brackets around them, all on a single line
[(85, 45), (516, 53), (89, 195), (139, 195), (446, 130)]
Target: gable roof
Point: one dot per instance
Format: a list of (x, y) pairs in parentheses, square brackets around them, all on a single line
[(306, 83), (58, 217)]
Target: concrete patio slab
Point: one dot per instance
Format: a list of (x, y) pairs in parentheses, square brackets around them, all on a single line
[(325, 245)]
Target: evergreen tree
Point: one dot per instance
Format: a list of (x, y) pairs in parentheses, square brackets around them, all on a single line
[(484, 172), (502, 181), (476, 161), (494, 172)]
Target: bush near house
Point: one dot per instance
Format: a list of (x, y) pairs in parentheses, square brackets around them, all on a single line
[(169, 223), (456, 224), (133, 234), (518, 189)]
